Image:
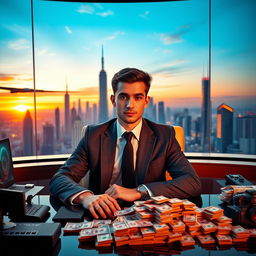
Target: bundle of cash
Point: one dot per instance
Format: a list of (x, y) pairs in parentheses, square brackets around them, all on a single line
[(208, 228), (71, 227), (224, 239), (252, 232), (212, 212), (104, 240), (227, 192), (206, 239), (91, 233), (98, 223), (178, 226), (159, 199), (125, 211), (240, 234), (187, 240), (224, 225)]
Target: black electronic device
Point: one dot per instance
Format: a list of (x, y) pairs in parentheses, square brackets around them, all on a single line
[(13, 204), (69, 214), (242, 208), (7, 173), (237, 179), (31, 235)]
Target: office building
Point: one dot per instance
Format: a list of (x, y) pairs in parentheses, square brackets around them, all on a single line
[(206, 115), (48, 139), (246, 133), (95, 114), (57, 124), (73, 114), (88, 113), (224, 136), (76, 132), (79, 109), (67, 124), (103, 104), (28, 135), (186, 124), (161, 112)]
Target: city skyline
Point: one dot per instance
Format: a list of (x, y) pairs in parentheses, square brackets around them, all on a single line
[(174, 52)]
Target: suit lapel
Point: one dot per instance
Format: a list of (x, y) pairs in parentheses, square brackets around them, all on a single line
[(108, 150), (145, 150)]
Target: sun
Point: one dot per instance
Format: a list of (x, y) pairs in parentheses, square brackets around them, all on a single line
[(22, 108)]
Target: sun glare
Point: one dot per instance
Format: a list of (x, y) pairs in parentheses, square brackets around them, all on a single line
[(22, 108)]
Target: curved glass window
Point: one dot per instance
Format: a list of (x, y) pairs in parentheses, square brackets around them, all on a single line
[(204, 86)]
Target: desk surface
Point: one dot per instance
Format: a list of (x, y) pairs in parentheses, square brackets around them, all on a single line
[(69, 245)]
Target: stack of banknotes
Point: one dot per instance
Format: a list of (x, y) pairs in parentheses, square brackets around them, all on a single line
[(229, 191), (161, 221)]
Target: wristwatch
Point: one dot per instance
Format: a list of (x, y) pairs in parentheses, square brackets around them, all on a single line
[(143, 191)]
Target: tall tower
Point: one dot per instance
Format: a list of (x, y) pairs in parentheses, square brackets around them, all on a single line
[(224, 127), (67, 117), (103, 105), (161, 112), (28, 135), (48, 139), (79, 109), (57, 123), (206, 115)]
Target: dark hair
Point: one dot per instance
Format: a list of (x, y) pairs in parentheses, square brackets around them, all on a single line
[(131, 75)]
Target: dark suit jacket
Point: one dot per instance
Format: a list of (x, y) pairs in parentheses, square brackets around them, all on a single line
[(158, 151)]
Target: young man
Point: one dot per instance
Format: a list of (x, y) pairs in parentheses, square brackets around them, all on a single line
[(127, 157)]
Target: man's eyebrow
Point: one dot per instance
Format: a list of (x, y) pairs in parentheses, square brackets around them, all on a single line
[(126, 94)]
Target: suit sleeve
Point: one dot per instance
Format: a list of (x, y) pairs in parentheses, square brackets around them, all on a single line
[(65, 182), (185, 182)]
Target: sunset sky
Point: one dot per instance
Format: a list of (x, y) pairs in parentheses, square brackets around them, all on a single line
[(169, 40)]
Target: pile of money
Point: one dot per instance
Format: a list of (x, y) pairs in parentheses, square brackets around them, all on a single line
[(240, 234), (161, 221), (104, 240), (227, 192)]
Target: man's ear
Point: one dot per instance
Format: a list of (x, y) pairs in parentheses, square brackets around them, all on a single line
[(112, 98), (147, 100)]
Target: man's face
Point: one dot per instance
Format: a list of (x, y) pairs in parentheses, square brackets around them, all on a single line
[(130, 101)]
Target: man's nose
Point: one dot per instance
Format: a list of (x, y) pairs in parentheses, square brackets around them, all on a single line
[(130, 103)]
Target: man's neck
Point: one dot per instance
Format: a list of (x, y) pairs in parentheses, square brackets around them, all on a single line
[(129, 127)]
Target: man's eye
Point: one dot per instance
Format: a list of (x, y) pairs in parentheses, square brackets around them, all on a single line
[(138, 97), (122, 97)]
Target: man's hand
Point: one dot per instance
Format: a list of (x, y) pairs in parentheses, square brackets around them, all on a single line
[(126, 194), (101, 205)]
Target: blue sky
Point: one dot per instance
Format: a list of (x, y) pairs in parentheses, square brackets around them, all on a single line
[(168, 39)]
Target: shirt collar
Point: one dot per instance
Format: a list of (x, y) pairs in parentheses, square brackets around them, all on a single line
[(136, 130)]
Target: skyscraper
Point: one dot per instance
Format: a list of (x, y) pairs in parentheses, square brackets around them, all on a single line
[(103, 105), (76, 132), (79, 109), (57, 123), (206, 115), (67, 127), (246, 133), (224, 127), (28, 135), (94, 110), (161, 112), (73, 114), (48, 139)]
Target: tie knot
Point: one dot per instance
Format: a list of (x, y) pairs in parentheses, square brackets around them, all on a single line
[(128, 136)]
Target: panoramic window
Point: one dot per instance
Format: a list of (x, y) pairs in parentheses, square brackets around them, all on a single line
[(77, 54)]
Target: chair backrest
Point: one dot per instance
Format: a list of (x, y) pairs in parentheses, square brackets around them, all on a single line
[(179, 135)]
